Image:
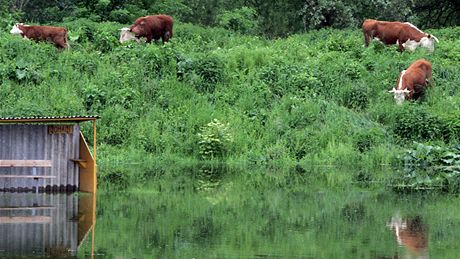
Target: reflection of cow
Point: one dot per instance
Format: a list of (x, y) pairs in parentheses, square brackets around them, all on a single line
[(412, 234)]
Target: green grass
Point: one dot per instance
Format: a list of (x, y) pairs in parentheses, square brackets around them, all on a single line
[(318, 98)]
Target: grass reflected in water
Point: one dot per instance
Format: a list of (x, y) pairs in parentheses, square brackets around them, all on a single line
[(308, 214)]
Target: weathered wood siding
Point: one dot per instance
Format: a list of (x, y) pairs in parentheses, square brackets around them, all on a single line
[(57, 237), (24, 141)]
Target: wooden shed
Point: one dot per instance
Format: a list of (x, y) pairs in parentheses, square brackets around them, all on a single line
[(46, 154)]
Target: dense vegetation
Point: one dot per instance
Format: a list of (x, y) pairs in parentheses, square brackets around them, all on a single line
[(210, 94), (268, 17)]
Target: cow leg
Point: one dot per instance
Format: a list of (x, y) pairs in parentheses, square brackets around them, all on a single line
[(148, 39), (367, 39), (400, 46)]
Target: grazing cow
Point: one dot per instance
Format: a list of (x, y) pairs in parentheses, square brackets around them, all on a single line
[(413, 81), (55, 35), (412, 234), (405, 35), (153, 27), (126, 35)]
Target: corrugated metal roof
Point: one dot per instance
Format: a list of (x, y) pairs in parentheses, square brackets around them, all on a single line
[(38, 119)]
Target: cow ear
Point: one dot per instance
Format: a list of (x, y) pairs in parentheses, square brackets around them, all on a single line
[(392, 90), (406, 91)]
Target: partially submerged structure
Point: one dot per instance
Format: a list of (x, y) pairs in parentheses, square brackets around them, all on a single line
[(46, 154)]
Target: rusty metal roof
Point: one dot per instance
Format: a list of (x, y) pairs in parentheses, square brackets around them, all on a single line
[(44, 119)]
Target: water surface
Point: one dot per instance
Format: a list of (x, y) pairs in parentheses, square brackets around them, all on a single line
[(268, 215)]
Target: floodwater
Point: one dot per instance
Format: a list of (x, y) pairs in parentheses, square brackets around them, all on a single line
[(256, 215)]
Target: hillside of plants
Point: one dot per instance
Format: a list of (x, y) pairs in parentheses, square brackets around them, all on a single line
[(215, 95)]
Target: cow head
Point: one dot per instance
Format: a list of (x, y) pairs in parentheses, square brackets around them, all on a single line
[(399, 95), (127, 35), (429, 42), (16, 30), (139, 27)]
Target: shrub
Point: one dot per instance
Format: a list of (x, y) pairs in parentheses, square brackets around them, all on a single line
[(121, 15), (356, 97), (429, 167), (215, 139), (365, 139), (242, 20), (415, 123), (211, 70)]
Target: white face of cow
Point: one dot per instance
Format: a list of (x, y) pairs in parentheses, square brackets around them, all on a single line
[(428, 43), (126, 35), (399, 95), (16, 30)]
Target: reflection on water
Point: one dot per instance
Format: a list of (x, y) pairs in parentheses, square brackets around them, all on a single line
[(411, 233), (204, 214), (44, 224)]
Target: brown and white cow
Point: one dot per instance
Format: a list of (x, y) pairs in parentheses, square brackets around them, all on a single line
[(413, 81), (126, 35), (153, 27), (55, 35), (404, 34)]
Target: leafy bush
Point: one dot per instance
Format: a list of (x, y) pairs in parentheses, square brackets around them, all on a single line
[(211, 70), (415, 123), (428, 167), (215, 139), (242, 20), (365, 139), (356, 97)]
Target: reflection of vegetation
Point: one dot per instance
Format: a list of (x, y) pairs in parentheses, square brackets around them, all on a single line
[(263, 213), (430, 167)]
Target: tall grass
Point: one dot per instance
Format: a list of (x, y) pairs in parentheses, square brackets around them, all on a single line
[(315, 98)]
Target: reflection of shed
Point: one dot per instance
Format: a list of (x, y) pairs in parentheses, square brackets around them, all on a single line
[(46, 154), (43, 225)]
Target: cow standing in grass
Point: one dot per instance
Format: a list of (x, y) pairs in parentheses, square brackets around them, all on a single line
[(406, 35), (413, 81), (56, 35), (153, 27)]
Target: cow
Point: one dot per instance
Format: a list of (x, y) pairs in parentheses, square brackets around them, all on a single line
[(126, 35), (56, 35), (411, 233), (153, 27), (404, 34), (412, 82)]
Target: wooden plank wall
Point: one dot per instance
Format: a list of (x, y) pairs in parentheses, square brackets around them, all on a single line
[(24, 141), (57, 237)]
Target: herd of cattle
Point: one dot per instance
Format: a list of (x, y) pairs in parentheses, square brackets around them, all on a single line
[(411, 83)]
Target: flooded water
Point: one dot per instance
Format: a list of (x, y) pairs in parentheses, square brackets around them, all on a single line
[(259, 215)]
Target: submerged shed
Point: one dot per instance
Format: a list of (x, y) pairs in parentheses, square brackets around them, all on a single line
[(46, 154)]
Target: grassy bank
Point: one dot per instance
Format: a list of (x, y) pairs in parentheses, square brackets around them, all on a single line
[(312, 99)]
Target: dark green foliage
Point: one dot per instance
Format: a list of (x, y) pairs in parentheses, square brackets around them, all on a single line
[(242, 20), (416, 123), (211, 71), (272, 18), (366, 139), (356, 97), (428, 167)]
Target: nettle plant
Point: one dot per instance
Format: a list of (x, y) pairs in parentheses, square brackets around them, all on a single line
[(215, 139)]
